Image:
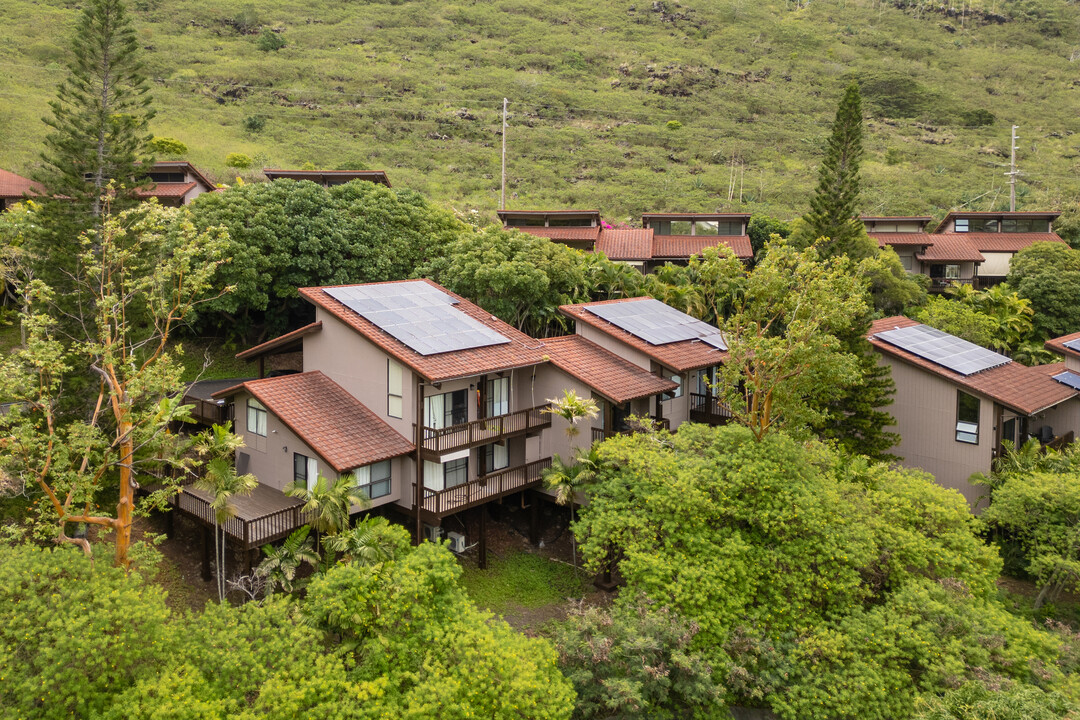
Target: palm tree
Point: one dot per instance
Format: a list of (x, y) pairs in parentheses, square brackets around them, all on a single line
[(573, 408), (281, 563), (220, 480), (370, 542), (328, 503), (565, 480)]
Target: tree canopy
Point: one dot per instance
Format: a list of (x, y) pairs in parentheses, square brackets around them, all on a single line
[(1048, 275), (823, 586)]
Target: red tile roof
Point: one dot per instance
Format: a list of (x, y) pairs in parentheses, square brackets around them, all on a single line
[(1058, 345), (166, 190), (683, 246), (15, 186), (899, 238), (1007, 242), (562, 233), (1051, 215), (324, 415), (626, 243), (602, 370), (187, 167), (519, 213), (697, 215), (279, 342), (951, 247), (679, 356), (521, 351), (896, 218), (1027, 390)]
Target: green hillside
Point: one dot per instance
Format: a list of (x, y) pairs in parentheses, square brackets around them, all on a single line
[(623, 106)]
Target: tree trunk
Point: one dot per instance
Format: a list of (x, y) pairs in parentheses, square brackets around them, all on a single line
[(573, 540), (126, 504)]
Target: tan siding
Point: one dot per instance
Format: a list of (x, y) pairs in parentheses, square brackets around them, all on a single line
[(925, 412), (996, 264), (619, 348)]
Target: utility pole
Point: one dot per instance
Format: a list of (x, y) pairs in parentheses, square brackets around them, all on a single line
[(1012, 170), (502, 192)]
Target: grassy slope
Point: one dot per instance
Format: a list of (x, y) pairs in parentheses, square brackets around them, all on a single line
[(415, 87)]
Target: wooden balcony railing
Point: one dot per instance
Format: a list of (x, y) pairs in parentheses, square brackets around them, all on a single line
[(708, 409), (262, 517), (488, 487), (485, 430), (601, 434), (1061, 441)]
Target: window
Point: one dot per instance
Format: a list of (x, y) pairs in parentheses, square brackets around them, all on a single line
[(525, 222), (708, 381), (393, 388), (496, 457), (305, 471), (442, 411), (498, 397), (455, 472), (374, 480), (706, 227), (1022, 225), (967, 418), (952, 272), (167, 177), (672, 227), (256, 417), (906, 261), (555, 221), (677, 379), (961, 225)]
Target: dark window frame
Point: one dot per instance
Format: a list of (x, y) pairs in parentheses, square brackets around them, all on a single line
[(964, 415)]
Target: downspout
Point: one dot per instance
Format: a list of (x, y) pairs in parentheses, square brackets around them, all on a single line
[(419, 483)]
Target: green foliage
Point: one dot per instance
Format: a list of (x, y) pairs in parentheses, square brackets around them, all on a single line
[(286, 235), (762, 227), (637, 660), (673, 125), (254, 123), (824, 586), (518, 277), (170, 147), (522, 579), (240, 161), (976, 702), (329, 502), (371, 541), (891, 288), (270, 41), (81, 641), (957, 318), (1048, 275), (282, 562)]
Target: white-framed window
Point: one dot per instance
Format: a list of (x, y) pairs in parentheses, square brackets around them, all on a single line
[(442, 476), (967, 418), (961, 225), (952, 272), (498, 397), (445, 410), (374, 479), (496, 457), (305, 471), (256, 417), (393, 388), (906, 261)]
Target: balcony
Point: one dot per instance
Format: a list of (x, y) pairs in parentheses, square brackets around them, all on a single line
[(942, 284), (492, 486), (708, 409), (438, 441), (601, 434)]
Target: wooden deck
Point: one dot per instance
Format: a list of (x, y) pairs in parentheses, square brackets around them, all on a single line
[(708, 409), (601, 434), (439, 503), (262, 517)]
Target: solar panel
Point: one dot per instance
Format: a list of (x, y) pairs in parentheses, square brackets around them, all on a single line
[(943, 349), (657, 323), (1073, 344), (1069, 378), (419, 315)]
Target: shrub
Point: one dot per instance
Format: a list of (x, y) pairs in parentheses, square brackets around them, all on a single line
[(167, 146), (254, 123), (240, 161), (270, 41)]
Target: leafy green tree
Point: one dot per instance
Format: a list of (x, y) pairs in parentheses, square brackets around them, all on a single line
[(823, 586), (286, 235), (219, 478), (371, 541), (282, 562), (518, 277), (637, 660), (785, 362), (761, 228), (1048, 275), (975, 701), (167, 146), (270, 41), (892, 288), (144, 271), (959, 319), (329, 504), (834, 207)]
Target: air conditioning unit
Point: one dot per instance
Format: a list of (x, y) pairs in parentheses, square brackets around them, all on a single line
[(457, 542), (433, 533)]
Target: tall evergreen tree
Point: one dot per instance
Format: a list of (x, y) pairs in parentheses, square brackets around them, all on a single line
[(98, 134), (834, 208)]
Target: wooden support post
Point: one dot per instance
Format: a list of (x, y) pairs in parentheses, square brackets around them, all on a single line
[(483, 537), (534, 517), (262, 366), (170, 522), (207, 542), (247, 554), (418, 500)]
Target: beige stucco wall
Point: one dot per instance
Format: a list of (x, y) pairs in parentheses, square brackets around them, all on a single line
[(995, 265), (619, 348), (1062, 418), (925, 412), (1072, 363)]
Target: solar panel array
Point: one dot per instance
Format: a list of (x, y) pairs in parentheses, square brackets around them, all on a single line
[(417, 314), (657, 323), (1069, 378), (1073, 344), (943, 349)]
